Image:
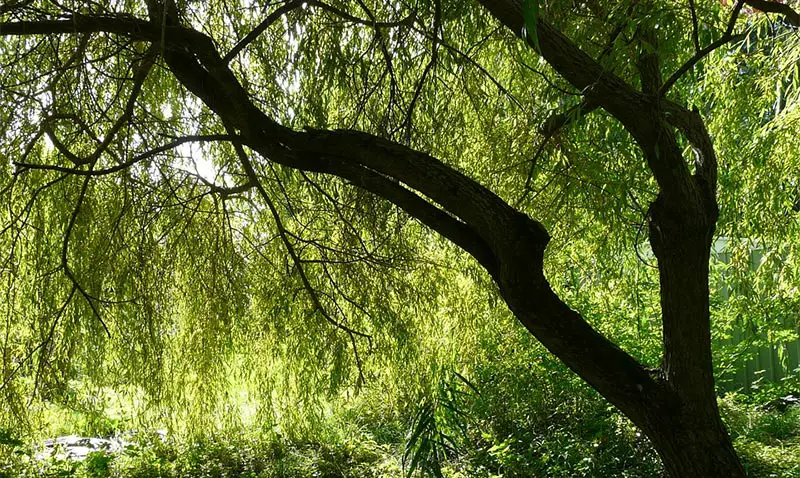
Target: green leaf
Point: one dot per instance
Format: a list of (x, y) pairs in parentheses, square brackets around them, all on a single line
[(530, 12)]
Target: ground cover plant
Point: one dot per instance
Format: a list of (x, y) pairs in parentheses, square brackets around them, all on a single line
[(226, 216)]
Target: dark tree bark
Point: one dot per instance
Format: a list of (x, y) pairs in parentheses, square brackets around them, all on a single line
[(676, 405)]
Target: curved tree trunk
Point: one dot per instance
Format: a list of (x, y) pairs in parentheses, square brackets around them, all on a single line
[(678, 409), (674, 406)]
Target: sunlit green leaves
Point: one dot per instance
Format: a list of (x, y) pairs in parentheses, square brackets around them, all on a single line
[(209, 315)]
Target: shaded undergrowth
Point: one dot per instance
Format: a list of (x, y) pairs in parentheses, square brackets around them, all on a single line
[(582, 438)]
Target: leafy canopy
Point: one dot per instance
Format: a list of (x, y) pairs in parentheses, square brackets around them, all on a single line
[(143, 261)]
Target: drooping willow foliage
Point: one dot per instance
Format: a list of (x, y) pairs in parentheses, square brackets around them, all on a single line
[(159, 275)]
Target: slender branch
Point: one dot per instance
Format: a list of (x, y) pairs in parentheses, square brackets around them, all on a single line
[(318, 306), (64, 260), (437, 24), (465, 56), (62, 148), (22, 362), (548, 80), (261, 28), (388, 58), (526, 188), (407, 21), (558, 121), (294, 4), (253, 178), (142, 71), (695, 27), (9, 7), (225, 191), (122, 166), (725, 38), (44, 343)]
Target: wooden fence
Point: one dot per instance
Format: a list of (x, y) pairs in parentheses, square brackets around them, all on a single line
[(757, 365)]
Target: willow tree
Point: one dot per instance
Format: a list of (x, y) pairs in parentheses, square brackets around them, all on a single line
[(445, 111)]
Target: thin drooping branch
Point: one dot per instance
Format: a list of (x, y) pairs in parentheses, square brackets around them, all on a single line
[(78, 54), (437, 25), (557, 121), (506, 242), (388, 58), (366, 255), (466, 57), (142, 71), (11, 6), (23, 166), (253, 178), (26, 210), (372, 22), (44, 344), (298, 263), (65, 253)]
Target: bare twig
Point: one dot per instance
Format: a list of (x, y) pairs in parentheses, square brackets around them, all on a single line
[(695, 27)]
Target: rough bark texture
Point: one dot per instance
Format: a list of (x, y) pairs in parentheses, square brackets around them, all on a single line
[(679, 414), (675, 406)]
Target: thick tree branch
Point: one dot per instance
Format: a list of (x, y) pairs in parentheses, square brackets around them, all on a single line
[(691, 125), (584, 73), (695, 27), (516, 242), (638, 112), (768, 6)]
